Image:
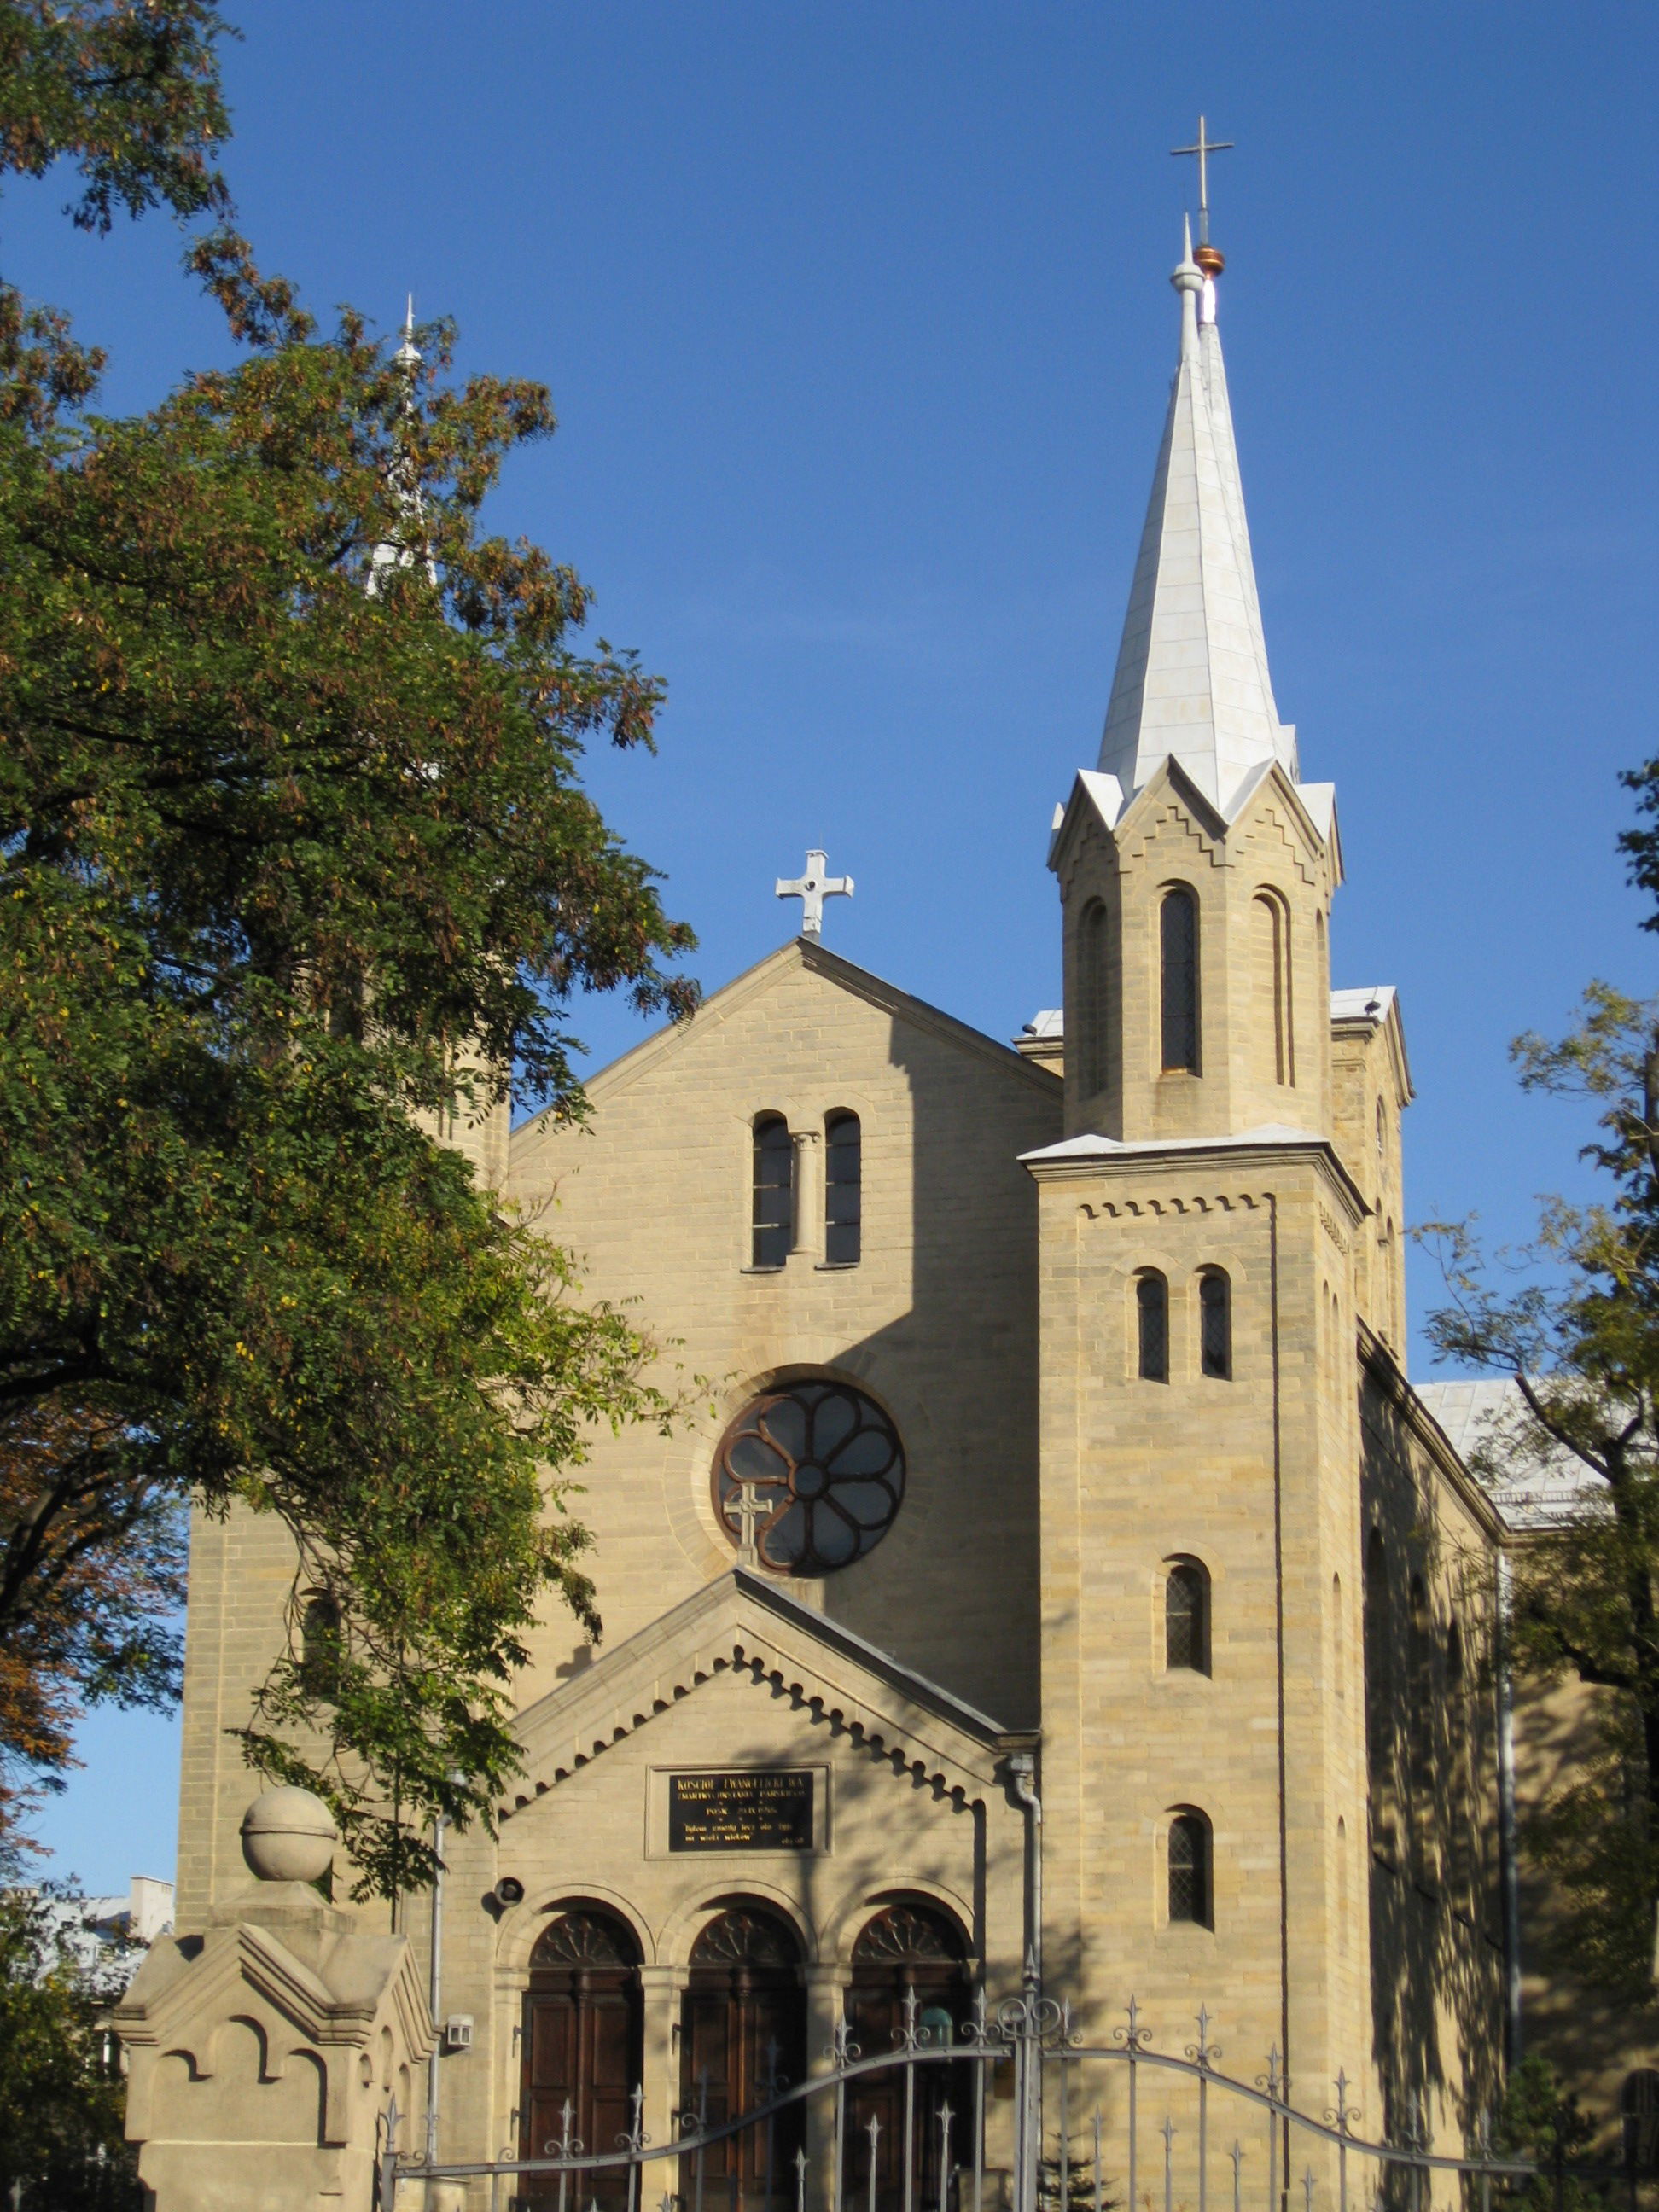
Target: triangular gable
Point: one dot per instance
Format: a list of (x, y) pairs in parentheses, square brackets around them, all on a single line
[(742, 1624), (807, 953)]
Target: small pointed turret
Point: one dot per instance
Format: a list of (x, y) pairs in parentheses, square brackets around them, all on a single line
[(1192, 679)]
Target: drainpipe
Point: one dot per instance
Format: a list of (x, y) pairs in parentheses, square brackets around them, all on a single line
[(1506, 1819), (1021, 1778), (434, 1990)]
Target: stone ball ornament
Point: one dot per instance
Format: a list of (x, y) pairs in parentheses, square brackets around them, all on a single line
[(289, 1835)]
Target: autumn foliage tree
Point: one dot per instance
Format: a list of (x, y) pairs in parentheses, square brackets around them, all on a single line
[(295, 867)]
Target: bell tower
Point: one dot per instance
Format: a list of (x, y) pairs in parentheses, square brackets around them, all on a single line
[(1204, 1784)]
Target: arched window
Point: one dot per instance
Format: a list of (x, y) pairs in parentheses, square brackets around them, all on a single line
[(321, 1646), (1177, 923), (1425, 1706), (773, 1214), (1091, 1000), (1382, 1135), (1189, 1870), (1186, 1617), (842, 1190), (581, 2051), (1152, 1323), (1270, 938), (1639, 2109), (1215, 1307), (1380, 1697)]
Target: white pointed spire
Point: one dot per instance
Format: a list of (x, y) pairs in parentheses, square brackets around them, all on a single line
[(1191, 678)]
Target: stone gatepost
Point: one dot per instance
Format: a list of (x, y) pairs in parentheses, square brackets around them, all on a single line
[(266, 2045)]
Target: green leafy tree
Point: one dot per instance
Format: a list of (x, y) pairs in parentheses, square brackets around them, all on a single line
[(297, 870), (1580, 1338), (61, 2098)]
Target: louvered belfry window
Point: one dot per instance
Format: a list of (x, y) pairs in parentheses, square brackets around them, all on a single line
[(1152, 1326), (843, 1195), (1178, 948)]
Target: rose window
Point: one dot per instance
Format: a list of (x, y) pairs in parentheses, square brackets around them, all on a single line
[(823, 1470)]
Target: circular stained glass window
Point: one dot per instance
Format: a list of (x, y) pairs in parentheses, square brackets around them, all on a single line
[(824, 1469)]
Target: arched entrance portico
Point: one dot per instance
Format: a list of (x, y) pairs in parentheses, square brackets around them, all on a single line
[(581, 2042), (743, 2037), (911, 1950)]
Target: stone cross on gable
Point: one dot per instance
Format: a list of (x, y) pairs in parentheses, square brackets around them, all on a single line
[(812, 888), (749, 1509)]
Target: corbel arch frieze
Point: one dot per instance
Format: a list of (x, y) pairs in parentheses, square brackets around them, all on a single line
[(1140, 1209), (818, 1703)]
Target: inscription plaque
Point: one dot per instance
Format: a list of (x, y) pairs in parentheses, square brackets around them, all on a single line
[(759, 1811)]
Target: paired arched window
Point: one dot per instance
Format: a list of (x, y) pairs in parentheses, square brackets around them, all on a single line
[(1215, 1321), (1152, 1325), (773, 1208), (1189, 1870), (842, 1190), (1270, 942), (1186, 1617), (1177, 925), (1091, 999)]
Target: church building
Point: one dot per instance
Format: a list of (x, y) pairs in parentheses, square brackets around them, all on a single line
[(1060, 1575)]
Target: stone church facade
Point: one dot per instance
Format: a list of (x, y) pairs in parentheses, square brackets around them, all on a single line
[(1060, 1567)]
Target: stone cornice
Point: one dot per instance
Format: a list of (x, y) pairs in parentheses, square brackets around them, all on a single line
[(1384, 1370), (1087, 1158)]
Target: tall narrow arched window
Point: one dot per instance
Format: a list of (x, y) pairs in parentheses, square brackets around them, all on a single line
[(1177, 924), (1189, 1870), (1215, 1320), (1091, 999), (1424, 1714), (843, 1203), (1270, 940), (1152, 1326), (1186, 1617), (773, 1214), (1380, 1697)]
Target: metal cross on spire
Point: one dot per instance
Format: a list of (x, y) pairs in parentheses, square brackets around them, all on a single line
[(1205, 146), (812, 888)]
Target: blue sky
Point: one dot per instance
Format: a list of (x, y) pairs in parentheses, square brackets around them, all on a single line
[(857, 322)]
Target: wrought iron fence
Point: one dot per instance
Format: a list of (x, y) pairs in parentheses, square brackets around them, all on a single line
[(1122, 2126)]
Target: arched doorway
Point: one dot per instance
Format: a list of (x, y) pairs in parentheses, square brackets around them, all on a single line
[(743, 2038), (582, 2042), (909, 1965)]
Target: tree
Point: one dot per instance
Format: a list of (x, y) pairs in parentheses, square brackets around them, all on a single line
[(296, 867), (61, 2101), (1580, 1340)]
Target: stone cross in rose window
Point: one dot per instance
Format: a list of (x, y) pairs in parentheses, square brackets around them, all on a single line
[(749, 1509)]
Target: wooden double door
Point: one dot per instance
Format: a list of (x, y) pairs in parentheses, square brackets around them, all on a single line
[(909, 1976), (743, 2039), (581, 2050)]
